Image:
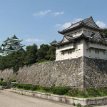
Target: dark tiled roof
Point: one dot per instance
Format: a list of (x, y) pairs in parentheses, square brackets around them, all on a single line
[(7, 39), (14, 37), (88, 22), (82, 36)]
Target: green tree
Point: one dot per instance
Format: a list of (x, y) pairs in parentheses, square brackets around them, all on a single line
[(31, 54), (26, 57), (51, 53), (104, 33), (42, 52)]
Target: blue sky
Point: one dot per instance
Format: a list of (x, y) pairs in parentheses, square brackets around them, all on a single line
[(37, 21)]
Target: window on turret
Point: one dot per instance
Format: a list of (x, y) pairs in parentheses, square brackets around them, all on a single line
[(63, 52), (69, 51), (89, 50), (104, 52), (96, 51)]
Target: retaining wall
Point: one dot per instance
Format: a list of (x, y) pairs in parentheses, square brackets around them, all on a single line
[(78, 73), (55, 73), (95, 72)]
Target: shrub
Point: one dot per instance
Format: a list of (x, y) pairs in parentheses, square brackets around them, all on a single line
[(79, 105), (60, 90), (88, 106), (34, 88), (1, 79), (24, 86), (27, 86), (91, 92), (73, 92), (103, 91), (3, 83), (74, 104), (13, 80)]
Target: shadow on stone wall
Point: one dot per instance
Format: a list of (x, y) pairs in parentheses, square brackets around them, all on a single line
[(95, 73)]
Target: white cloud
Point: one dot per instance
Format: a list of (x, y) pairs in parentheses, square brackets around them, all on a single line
[(48, 12), (76, 20), (33, 40), (42, 13), (58, 13), (67, 24), (58, 25), (101, 24)]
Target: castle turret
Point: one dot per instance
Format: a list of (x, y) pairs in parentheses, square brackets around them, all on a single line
[(82, 39)]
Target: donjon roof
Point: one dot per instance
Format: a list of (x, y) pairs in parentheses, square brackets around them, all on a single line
[(88, 22), (14, 37)]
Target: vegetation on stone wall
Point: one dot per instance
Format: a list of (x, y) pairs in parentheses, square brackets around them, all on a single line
[(32, 54), (90, 92)]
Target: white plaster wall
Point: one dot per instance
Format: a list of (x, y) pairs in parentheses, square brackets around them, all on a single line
[(77, 51), (89, 51), (82, 49), (98, 46)]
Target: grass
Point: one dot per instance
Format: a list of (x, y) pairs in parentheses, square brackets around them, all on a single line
[(91, 92)]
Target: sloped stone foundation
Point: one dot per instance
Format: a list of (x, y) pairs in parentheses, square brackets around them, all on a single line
[(60, 73), (95, 73), (78, 73)]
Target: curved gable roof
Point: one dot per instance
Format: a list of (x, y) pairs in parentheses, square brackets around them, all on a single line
[(88, 22)]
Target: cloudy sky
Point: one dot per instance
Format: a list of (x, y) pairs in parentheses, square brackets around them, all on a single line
[(37, 21)]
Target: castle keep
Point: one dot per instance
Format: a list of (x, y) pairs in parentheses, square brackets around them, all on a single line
[(81, 60), (10, 45)]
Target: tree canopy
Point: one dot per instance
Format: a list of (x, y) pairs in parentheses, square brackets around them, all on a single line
[(32, 54)]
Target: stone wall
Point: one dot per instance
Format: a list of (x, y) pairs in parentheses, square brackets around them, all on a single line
[(60, 73), (95, 73), (80, 72), (7, 74), (55, 73)]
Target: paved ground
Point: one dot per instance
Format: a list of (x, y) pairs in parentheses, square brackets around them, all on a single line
[(9, 99)]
